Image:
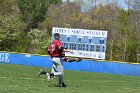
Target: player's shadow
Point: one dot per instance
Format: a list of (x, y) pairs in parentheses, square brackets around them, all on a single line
[(55, 85)]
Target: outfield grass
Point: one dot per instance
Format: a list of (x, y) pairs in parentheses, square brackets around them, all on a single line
[(23, 79)]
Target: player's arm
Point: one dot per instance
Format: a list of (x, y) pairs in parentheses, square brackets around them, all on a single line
[(61, 48), (68, 59), (65, 50), (72, 59)]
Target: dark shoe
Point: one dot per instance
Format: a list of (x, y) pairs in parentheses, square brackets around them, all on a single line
[(63, 85), (41, 72)]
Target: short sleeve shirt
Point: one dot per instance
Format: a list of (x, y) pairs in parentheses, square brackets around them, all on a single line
[(56, 45)]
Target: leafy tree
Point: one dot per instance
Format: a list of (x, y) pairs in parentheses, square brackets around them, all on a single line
[(11, 28), (64, 15), (34, 11), (123, 30), (39, 41)]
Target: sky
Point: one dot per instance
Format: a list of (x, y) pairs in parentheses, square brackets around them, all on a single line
[(123, 4), (120, 2)]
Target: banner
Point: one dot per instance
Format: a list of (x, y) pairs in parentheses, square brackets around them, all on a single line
[(84, 43), (121, 68)]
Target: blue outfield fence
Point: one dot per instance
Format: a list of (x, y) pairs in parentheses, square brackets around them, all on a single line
[(84, 65)]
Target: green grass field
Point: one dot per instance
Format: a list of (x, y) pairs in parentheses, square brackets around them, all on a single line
[(23, 79)]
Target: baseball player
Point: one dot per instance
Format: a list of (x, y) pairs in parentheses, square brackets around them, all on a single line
[(55, 50)]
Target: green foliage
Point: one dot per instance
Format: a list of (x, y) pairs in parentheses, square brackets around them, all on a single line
[(8, 7), (132, 47), (123, 21), (25, 25), (33, 11), (1, 1), (39, 40), (55, 1), (10, 29), (129, 34)]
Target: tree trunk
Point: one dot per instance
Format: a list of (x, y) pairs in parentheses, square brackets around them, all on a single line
[(111, 51), (124, 58)]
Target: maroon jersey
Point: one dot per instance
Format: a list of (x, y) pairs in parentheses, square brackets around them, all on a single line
[(54, 48)]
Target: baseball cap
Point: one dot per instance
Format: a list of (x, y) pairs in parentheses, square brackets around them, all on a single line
[(56, 34)]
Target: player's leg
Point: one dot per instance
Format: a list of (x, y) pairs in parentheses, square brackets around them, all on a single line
[(54, 69), (60, 69), (41, 72), (59, 66), (51, 75)]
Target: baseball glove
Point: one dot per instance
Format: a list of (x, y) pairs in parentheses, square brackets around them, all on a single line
[(78, 59)]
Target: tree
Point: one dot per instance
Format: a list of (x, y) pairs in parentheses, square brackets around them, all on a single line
[(34, 11), (63, 15), (11, 27), (39, 41), (123, 30), (133, 44)]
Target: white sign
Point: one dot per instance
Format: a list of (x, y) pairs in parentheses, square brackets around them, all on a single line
[(80, 32), (84, 43), (86, 54)]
